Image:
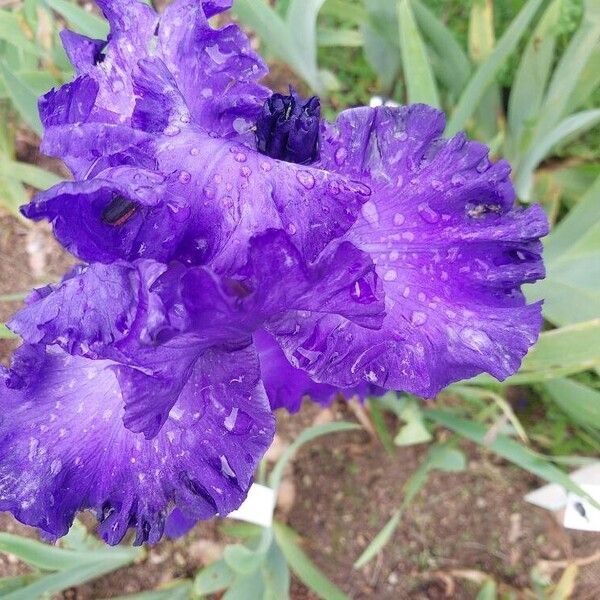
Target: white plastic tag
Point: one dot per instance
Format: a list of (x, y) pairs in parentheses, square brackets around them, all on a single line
[(579, 513), (258, 507)]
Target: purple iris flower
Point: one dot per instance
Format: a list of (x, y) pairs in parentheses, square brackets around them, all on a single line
[(239, 253)]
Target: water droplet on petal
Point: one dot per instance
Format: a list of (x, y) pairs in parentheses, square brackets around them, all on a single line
[(291, 229), (390, 275), (171, 130), (427, 213), (194, 151), (240, 157), (340, 156), (246, 171), (306, 179), (418, 318), (184, 177), (265, 166), (399, 219), (370, 213)]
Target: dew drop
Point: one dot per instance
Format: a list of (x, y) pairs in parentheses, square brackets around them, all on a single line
[(171, 130), (476, 340), (226, 467), (390, 275), (340, 156), (370, 213), (291, 229), (427, 213), (240, 157), (246, 171), (184, 177), (399, 219), (418, 318), (56, 466), (306, 179), (265, 166), (194, 151)]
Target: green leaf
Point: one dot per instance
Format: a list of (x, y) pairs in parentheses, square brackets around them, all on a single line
[(379, 541), (79, 19), (531, 78), (575, 225), (38, 81), (381, 45), (213, 578), (568, 128), (567, 73), (12, 196), (481, 30), (11, 31), (349, 38), (245, 587), (56, 582), (488, 591), (245, 560), (345, 11), (180, 590), (378, 419), (30, 174), (303, 567), (487, 71), (420, 83), (276, 575), (6, 333), (589, 81), (508, 449), (579, 401), (51, 558), (414, 432), (24, 99), (10, 584), (454, 60), (306, 436), (279, 37), (301, 22)]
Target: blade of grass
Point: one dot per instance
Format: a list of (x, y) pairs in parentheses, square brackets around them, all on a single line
[(486, 72), (303, 567), (508, 449), (531, 79), (306, 436), (566, 129), (420, 83)]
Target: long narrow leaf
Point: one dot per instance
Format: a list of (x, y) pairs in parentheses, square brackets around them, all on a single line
[(486, 73), (379, 541), (303, 567), (568, 128), (568, 72), (579, 401), (418, 75), (508, 449), (81, 20), (23, 98), (306, 436), (301, 20), (30, 174), (531, 79), (453, 58)]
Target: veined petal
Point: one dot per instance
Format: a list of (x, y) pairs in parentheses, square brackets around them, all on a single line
[(451, 251), (63, 432)]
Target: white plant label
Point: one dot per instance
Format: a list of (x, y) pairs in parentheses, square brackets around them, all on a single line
[(258, 507), (581, 514)]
